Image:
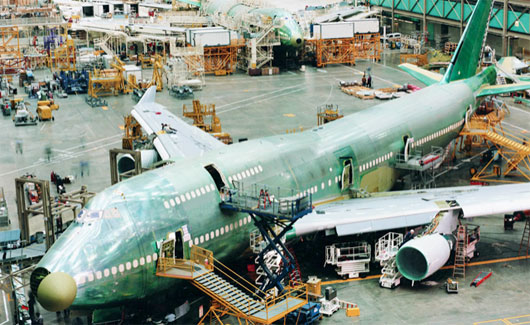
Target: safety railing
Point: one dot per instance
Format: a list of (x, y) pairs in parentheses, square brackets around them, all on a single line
[(262, 198), (198, 257), (31, 21)]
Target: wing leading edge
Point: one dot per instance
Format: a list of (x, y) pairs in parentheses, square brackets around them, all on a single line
[(412, 208)]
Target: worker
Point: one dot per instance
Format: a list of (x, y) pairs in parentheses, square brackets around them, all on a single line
[(408, 236), (48, 152), (31, 306), (83, 165), (369, 81), (18, 146), (363, 80), (39, 320)]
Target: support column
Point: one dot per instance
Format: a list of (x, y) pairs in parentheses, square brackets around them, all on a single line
[(393, 9), (505, 42), (461, 17), (424, 18)]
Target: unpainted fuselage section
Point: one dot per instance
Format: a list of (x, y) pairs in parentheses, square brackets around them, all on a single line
[(112, 254)]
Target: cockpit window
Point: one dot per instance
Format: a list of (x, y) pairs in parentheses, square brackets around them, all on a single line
[(87, 216)]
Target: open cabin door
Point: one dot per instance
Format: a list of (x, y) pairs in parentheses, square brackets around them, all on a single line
[(347, 174), (217, 176), (173, 247)]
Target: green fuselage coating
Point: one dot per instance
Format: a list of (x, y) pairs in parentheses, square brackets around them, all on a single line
[(289, 31), (111, 257)]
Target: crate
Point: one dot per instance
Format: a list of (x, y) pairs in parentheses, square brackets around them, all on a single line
[(270, 71), (353, 312)]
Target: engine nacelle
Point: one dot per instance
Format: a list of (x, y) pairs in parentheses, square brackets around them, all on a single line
[(420, 257), (126, 162)]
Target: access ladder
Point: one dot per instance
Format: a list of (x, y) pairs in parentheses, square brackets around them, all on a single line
[(232, 294), (525, 239), (459, 269)]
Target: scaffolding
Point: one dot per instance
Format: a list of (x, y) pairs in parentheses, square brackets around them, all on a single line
[(346, 50), (328, 113), (222, 60), (186, 68), (63, 58), (11, 59), (107, 82), (259, 49), (198, 112), (507, 158)]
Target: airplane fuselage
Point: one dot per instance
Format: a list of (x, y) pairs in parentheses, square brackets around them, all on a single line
[(111, 254), (288, 29)]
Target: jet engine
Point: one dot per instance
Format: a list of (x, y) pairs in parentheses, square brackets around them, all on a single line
[(126, 161), (420, 257)]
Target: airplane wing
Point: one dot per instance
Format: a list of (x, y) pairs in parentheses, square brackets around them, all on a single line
[(502, 89), (425, 76), (394, 210), (174, 138)]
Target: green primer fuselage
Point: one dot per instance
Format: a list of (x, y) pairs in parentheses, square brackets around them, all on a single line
[(112, 257), (289, 31)]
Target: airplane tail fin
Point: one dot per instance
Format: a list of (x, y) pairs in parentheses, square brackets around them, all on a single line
[(467, 55)]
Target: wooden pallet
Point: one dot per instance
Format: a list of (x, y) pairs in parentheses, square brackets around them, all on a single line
[(353, 91)]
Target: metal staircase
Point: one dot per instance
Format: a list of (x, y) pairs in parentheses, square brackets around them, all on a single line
[(525, 239), (102, 43), (296, 275), (232, 294), (386, 249), (459, 269)]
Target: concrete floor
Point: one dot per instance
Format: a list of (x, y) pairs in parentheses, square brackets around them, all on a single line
[(263, 106)]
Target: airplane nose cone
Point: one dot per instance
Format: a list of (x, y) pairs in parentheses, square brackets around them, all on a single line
[(57, 291)]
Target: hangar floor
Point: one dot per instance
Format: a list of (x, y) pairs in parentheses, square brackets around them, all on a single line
[(269, 105)]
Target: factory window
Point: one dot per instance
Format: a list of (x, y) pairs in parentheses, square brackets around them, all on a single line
[(218, 178)]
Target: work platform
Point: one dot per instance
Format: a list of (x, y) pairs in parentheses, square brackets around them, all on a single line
[(232, 294), (267, 202)]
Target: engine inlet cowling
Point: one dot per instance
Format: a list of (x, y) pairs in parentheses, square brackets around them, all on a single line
[(422, 256)]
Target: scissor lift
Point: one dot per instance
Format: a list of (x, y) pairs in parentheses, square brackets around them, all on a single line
[(268, 208), (351, 259)]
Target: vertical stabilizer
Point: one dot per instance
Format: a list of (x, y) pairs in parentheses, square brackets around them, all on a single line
[(467, 55)]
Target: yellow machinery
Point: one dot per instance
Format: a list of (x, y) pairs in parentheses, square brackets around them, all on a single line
[(45, 109), (508, 160), (63, 58), (328, 113), (198, 112), (133, 131), (232, 294), (49, 103), (138, 88), (107, 81), (44, 113)]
